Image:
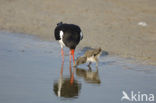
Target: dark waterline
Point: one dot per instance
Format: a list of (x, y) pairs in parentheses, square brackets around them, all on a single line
[(30, 73)]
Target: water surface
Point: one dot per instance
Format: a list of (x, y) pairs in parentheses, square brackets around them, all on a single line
[(30, 72)]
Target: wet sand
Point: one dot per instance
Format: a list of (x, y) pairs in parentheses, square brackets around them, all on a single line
[(30, 73), (114, 25)]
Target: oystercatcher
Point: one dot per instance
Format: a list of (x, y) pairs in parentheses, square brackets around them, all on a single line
[(89, 56), (68, 35)]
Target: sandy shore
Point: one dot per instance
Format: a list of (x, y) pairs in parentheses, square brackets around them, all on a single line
[(110, 24)]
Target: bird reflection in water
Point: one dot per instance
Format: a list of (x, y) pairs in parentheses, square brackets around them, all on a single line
[(67, 87), (89, 75)]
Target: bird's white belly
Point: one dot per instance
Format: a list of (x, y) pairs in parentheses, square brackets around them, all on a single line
[(61, 43), (91, 59)]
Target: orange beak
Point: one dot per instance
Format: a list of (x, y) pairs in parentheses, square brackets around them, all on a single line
[(72, 53), (72, 75)]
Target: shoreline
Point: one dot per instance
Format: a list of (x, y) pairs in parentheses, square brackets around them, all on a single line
[(140, 60), (112, 25)]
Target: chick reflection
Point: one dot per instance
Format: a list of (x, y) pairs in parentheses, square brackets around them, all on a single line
[(67, 87), (89, 75)]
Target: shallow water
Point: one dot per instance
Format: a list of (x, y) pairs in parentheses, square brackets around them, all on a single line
[(30, 72)]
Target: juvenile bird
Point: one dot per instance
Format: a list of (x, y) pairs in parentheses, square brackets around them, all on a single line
[(89, 56)]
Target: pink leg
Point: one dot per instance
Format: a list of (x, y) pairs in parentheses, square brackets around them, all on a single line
[(62, 53), (62, 67)]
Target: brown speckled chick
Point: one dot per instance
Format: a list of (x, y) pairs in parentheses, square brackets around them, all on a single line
[(89, 56)]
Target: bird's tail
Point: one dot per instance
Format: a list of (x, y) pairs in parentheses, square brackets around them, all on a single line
[(98, 50), (60, 23)]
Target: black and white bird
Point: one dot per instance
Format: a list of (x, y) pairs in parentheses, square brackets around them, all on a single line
[(68, 35)]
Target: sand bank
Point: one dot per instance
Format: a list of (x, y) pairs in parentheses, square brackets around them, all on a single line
[(113, 25)]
